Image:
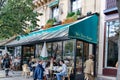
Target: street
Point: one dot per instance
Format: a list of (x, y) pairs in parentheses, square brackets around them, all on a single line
[(16, 75)]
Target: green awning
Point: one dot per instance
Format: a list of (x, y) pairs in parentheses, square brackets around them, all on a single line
[(86, 30), (54, 3)]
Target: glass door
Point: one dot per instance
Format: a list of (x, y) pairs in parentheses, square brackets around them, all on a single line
[(82, 51)]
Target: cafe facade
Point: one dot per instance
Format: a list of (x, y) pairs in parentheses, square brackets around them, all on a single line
[(72, 41)]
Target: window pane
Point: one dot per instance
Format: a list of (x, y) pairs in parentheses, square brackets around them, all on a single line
[(76, 5), (68, 52), (39, 49), (49, 49), (55, 12), (111, 43), (57, 50)]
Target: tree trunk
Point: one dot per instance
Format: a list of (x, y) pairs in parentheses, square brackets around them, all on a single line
[(118, 71)]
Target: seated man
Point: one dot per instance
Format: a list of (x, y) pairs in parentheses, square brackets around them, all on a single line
[(63, 72)]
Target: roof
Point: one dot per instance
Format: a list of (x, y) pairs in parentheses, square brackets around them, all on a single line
[(3, 42)]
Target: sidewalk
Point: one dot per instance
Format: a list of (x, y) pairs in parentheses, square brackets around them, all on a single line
[(15, 76)]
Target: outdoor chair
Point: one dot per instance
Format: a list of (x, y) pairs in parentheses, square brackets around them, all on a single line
[(25, 70)]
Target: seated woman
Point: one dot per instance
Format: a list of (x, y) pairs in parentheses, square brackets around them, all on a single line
[(64, 71)]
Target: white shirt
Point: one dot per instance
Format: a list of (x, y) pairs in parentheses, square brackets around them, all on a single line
[(64, 69)]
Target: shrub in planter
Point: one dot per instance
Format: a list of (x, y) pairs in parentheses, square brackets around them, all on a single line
[(71, 17), (49, 23)]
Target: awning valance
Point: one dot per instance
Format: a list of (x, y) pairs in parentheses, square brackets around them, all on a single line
[(85, 29)]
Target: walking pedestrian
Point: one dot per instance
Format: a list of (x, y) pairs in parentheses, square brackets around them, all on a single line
[(89, 68), (38, 73), (6, 64)]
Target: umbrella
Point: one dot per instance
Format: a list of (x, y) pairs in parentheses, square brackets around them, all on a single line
[(44, 53)]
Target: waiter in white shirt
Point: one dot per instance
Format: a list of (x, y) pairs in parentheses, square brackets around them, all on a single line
[(63, 72)]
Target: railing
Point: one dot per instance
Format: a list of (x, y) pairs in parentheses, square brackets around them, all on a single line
[(110, 4), (39, 3)]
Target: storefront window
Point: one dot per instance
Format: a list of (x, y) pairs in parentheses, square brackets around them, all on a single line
[(38, 50), (57, 50), (111, 43), (49, 49), (28, 51), (76, 5), (68, 52), (17, 51)]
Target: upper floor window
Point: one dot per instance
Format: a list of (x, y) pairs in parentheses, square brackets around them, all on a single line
[(110, 4), (55, 12), (111, 45), (76, 5)]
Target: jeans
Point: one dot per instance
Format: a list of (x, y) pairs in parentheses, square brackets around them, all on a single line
[(6, 72), (59, 75)]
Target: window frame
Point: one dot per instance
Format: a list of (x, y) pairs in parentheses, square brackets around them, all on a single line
[(52, 12), (78, 8), (106, 51)]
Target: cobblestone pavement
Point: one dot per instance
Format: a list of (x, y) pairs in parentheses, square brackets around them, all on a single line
[(13, 76)]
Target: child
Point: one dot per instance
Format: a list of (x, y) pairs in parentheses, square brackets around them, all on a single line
[(38, 73)]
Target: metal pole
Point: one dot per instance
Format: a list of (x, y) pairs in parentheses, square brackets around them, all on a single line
[(94, 52), (75, 42)]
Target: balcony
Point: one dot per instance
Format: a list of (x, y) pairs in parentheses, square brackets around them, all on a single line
[(38, 3), (111, 7)]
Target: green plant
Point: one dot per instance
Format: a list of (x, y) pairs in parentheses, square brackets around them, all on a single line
[(51, 21), (78, 12), (70, 14)]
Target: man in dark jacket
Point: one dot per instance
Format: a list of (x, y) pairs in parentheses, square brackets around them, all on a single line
[(6, 64), (38, 73)]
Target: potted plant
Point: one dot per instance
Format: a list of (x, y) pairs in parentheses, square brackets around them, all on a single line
[(71, 17), (49, 23)]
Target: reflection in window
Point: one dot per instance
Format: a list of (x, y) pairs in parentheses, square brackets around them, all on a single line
[(39, 49), (28, 51), (68, 51), (17, 51), (55, 12), (76, 5), (111, 43), (49, 49), (57, 50)]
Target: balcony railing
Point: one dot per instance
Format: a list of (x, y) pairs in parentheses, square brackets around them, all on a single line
[(110, 4), (39, 3)]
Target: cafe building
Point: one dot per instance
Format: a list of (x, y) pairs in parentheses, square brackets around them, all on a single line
[(72, 41)]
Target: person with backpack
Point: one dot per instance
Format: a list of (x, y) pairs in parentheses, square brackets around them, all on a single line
[(6, 64)]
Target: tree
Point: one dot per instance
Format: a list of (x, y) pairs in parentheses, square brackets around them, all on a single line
[(16, 17), (118, 71), (2, 3)]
